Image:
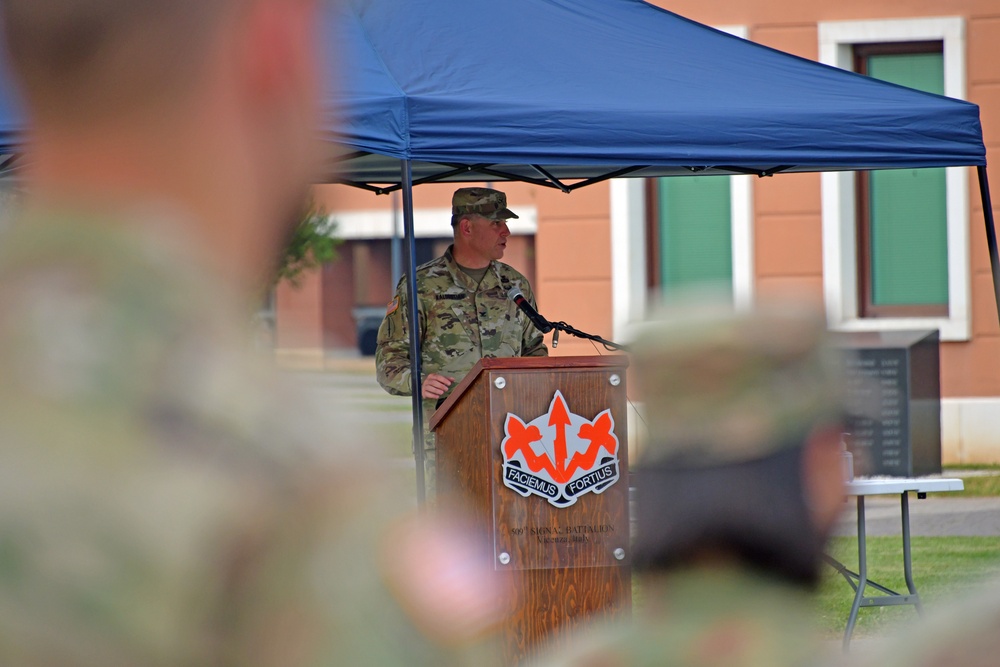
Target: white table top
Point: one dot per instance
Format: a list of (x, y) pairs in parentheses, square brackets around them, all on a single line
[(871, 486)]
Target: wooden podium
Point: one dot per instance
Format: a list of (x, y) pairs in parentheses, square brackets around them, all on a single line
[(536, 449)]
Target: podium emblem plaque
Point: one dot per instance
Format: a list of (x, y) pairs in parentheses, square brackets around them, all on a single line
[(559, 455)]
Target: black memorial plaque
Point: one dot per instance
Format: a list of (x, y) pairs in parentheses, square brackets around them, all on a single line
[(894, 392)]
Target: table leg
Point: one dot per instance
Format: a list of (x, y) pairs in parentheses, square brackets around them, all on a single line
[(862, 574), (907, 560)]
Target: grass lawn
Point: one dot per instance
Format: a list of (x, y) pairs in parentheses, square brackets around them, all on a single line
[(986, 485), (942, 567), (985, 481)]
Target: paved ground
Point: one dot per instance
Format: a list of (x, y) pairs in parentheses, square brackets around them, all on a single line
[(938, 515), (350, 384)]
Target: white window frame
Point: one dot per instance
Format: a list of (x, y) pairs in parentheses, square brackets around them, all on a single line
[(379, 223), (628, 242), (840, 270)]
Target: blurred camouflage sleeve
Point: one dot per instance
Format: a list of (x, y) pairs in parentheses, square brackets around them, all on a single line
[(392, 351)]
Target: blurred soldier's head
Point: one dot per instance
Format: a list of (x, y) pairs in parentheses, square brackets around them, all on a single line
[(743, 462), (207, 109)]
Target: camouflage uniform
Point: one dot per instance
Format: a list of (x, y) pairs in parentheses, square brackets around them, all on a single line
[(961, 632), (728, 400), (460, 323), (165, 501), (704, 618)]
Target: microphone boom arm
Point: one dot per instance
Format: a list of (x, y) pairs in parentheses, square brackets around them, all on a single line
[(545, 326), (562, 326)]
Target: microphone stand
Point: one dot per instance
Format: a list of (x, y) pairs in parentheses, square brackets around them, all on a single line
[(562, 326), (546, 326)]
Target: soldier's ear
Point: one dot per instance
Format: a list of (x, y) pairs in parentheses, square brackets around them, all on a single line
[(465, 226), (822, 470)]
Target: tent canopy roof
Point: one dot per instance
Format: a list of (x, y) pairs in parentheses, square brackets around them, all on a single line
[(555, 90), (574, 89)]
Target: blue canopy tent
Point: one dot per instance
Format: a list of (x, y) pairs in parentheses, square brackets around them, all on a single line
[(565, 93), (582, 88)]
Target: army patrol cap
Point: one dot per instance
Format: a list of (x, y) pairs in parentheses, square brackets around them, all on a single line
[(489, 203), (722, 387)]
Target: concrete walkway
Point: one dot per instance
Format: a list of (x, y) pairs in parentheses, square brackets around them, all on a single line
[(937, 515)]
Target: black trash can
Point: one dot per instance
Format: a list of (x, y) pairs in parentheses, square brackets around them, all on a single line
[(367, 321)]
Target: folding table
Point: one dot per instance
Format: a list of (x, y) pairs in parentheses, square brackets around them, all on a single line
[(861, 488)]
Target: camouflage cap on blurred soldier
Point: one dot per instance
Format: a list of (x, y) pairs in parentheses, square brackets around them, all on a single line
[(722, 387)]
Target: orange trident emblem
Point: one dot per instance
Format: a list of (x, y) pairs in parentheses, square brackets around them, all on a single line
[(560, 455)]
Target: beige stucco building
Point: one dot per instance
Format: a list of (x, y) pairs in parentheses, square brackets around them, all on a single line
[(599, 257)]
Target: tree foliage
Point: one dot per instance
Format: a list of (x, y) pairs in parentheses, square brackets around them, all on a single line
[(312, 244)]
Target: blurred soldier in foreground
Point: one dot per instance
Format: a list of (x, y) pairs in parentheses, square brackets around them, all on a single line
[(737, 490), (964, 632), (163, 501)]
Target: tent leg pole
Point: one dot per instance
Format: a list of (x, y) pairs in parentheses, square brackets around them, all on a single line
[(413, 319), (991, 233)]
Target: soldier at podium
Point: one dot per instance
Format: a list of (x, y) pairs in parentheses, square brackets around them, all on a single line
[(736, 492), (465, 313)]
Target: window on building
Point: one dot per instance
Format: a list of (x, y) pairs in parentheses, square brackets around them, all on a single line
[(902, 214), (928, 53), (690, 232)]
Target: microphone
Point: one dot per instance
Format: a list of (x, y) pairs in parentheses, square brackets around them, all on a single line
[(540, 322)]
